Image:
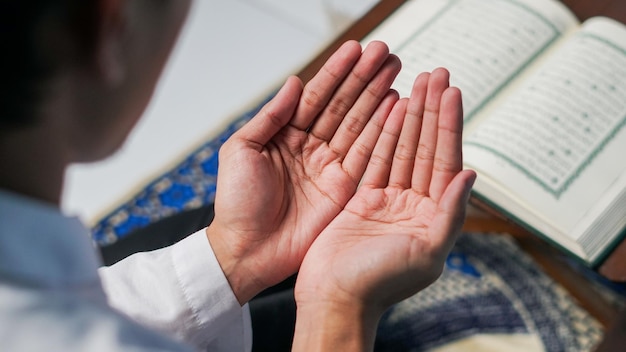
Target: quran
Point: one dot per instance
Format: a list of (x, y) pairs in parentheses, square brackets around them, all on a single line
[(544, 100)]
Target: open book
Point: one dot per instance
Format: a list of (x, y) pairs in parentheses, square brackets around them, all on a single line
[(545, 107)]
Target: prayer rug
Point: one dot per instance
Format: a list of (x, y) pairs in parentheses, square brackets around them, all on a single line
[(491, 296)]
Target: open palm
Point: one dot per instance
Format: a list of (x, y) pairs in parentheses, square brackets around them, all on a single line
[(392, 238), (286, 174)]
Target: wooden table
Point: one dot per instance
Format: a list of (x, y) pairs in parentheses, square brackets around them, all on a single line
[(548, 258)]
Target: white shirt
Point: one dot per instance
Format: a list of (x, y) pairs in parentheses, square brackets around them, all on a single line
[(52, 291)]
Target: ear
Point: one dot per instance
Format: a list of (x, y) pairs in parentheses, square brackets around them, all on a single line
[(109, 47)]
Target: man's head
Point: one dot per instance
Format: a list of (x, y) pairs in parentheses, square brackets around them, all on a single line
[(83, 70), (26, 64)]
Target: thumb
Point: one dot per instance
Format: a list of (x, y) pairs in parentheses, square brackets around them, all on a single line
[(274, 115), (452, 208)]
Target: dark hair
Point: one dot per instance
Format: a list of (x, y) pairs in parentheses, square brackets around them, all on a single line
[(27, 61)]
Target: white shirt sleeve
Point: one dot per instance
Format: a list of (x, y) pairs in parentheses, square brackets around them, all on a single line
[(181, 290)]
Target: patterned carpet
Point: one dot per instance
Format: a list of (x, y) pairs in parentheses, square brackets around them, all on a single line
[(491, 296), (491, 289)]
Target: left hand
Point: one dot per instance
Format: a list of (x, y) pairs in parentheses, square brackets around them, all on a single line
[(288, 172), (393, 236)]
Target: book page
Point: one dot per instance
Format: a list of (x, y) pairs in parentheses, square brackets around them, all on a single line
[(559, 140), (483, 43)]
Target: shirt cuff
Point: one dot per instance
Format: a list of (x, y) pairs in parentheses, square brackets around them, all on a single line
[(222, 323)]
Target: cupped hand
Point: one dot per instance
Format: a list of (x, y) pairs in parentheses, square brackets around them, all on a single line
[(289, 171), (393, 236)]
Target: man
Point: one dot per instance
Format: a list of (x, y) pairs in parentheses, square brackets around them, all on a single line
[(77, 76)]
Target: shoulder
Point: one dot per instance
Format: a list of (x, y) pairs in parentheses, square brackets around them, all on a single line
[(52, 320)]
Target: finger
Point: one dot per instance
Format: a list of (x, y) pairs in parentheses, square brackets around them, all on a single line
[(361, 150), (372, 59), (450, 216), (369, 100), (379, 165), (322, 86), (404, 156), (424, 158), (273, 116), (449, 155)]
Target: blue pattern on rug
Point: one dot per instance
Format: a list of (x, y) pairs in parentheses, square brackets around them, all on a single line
[(189, 185), (447, 321), (489, 286)]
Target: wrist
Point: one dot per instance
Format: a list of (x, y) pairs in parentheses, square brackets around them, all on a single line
[(241, 280), (332, 325)]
